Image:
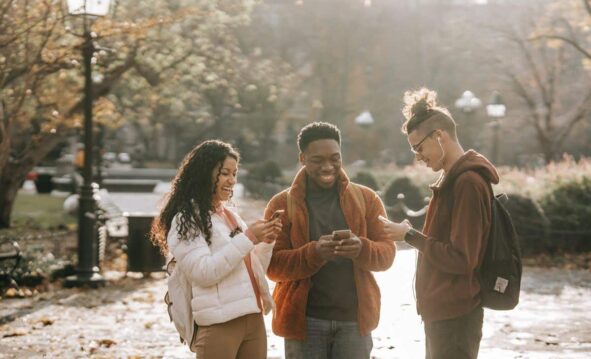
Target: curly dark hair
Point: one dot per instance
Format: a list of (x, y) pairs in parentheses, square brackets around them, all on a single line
[(192, 193), (317, 131)]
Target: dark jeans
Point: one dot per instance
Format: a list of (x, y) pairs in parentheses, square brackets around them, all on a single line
[(456, 338), (329, 339)]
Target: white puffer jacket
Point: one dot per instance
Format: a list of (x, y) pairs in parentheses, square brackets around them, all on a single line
[(221, 285)]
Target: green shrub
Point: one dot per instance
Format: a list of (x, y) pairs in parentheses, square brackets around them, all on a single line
[(568, 207), (263, 180), (268, 171), (531, 224), (413, 199), (412, 195), (366, 179)]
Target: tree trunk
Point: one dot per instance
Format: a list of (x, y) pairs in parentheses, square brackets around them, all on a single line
[(10, 183), (549, 155), (13, 173), (5, 141)]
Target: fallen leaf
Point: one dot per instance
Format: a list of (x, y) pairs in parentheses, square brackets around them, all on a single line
[(19, 332), (12, 293), (106, 343), (46, 321)]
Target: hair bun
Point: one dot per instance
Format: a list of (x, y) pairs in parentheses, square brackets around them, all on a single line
[(418, 103), (420, 107)]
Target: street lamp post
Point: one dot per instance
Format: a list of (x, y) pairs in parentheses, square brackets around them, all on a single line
[(87, 272), (496, 110), (468, 103)]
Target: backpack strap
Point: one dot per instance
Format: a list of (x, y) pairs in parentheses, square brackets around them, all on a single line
[(450, 199), (289, 206), (358, 195)]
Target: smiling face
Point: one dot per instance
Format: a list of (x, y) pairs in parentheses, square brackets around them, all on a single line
[(224, 179), (322, 161), (426, 148)]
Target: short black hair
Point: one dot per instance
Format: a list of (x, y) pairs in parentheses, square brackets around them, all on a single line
[(317, 131)]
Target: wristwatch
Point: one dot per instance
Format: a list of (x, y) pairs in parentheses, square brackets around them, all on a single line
[(410, 234)]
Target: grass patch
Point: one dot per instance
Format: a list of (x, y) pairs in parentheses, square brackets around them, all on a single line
[(159, 164), (41, 211)]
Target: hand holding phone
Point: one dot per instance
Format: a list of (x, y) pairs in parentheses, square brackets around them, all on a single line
[(325, 247), (341, 234), (276, 214)]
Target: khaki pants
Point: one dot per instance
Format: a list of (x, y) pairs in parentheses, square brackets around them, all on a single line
[(241, 338)]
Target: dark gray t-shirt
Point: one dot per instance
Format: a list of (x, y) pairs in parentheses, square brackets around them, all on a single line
[(333, 295)]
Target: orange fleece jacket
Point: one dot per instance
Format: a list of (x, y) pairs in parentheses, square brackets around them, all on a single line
[(295, 260)]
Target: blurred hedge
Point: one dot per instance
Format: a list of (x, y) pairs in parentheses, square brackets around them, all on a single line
[(531, 224), (367, 179), (568, 207), (551, 205), (263, 180)]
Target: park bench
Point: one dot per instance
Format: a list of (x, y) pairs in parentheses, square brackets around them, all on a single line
[(9, 251)]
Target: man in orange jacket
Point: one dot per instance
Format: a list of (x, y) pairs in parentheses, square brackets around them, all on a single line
[(451, 245), (327, 299)]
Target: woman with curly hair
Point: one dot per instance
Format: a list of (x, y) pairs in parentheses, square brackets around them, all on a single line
[(224, 260)]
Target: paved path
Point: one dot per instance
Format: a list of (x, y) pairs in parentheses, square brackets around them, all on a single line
[(128, 320)]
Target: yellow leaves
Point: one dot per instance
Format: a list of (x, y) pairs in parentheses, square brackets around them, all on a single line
[(139, 28), (105, 112)]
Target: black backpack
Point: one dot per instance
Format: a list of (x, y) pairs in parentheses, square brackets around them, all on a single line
[(501, 268), (499, 274)]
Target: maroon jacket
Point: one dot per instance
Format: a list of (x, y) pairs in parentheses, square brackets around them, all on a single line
[(457, 225)]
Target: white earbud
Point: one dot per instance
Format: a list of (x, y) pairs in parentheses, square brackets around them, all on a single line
[(442, 150)]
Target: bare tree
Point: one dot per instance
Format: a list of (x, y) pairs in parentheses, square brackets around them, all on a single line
[(554, 91), (571, 28)]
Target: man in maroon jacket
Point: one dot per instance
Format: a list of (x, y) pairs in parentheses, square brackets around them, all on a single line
[(451, 245)]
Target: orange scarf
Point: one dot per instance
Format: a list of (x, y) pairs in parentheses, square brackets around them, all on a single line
[(231, 222)]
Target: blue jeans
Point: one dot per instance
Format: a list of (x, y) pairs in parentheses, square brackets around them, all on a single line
[(329, 339)]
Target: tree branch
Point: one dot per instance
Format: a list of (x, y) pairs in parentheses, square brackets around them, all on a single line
[(587, 6), (565, 39), (580, 113)]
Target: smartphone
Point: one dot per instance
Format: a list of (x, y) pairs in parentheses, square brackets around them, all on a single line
[(341, 234), (276, 214)]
